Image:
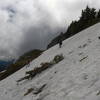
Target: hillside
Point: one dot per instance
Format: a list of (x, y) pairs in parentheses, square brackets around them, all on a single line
[(23, 60), (4, 64), (76, 77), (89, 16)]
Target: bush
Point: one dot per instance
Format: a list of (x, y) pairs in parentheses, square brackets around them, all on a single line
[(58, 58)]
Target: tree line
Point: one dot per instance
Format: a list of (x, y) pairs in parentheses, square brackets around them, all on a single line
[(89, 16)]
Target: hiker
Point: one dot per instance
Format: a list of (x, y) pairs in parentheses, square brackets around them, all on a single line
[(60, 39)]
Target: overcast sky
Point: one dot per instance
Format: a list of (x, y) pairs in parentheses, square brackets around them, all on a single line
[(29, 24)]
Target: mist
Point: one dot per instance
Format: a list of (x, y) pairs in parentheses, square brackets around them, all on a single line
[(32, 24)]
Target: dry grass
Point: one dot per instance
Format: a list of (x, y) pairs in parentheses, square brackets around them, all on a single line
[(83, 58), (28, 91), (43, 66)]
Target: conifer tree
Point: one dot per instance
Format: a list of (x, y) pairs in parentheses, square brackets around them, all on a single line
[(98, 14)]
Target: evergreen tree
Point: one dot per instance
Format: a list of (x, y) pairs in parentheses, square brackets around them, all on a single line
[(85, 16), (98, 14), (93, 13), (88, 14)]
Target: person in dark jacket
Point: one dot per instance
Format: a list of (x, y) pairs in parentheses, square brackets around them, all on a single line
[(60, 40)]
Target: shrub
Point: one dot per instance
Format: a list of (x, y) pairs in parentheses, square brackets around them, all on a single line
[(58, 58)]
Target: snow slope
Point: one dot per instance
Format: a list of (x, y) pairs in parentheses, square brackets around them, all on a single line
[(77, 77)]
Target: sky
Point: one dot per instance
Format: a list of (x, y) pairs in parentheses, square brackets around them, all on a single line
[(32, 24)]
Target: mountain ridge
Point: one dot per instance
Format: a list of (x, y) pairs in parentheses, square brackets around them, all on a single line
[(23, 60), (4, 64)]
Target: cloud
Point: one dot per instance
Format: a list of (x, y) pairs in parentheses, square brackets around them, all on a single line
[(29, 24)]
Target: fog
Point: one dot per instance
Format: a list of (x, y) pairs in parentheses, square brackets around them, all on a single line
[(32, 24)]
